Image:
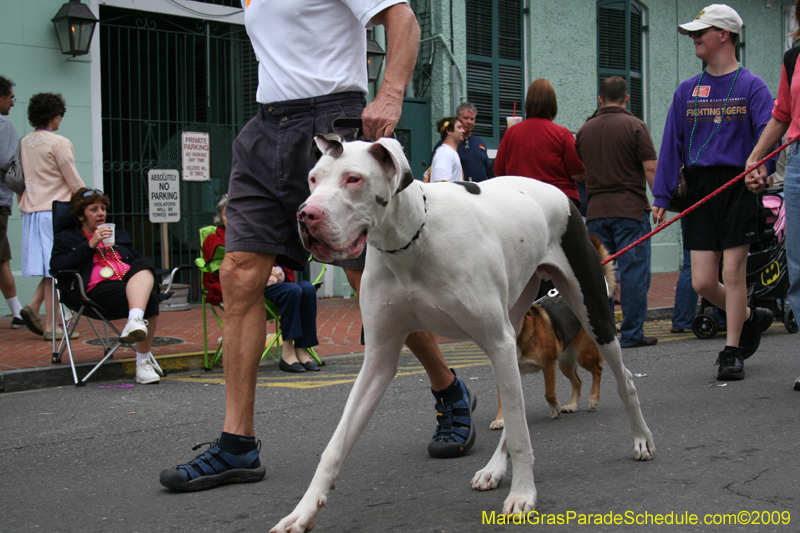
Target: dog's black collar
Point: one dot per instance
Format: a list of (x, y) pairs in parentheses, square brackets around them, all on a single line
[(416, 235)]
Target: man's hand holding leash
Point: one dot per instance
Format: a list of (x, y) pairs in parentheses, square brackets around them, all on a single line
[(756, 179), (381, 116)]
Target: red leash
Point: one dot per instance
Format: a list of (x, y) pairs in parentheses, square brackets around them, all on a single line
[(698, 204)]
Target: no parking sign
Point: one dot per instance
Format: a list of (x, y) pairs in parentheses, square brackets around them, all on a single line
[(164, 195)]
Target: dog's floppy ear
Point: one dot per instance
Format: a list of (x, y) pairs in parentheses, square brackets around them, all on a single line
[(389, 153), (329, 144)]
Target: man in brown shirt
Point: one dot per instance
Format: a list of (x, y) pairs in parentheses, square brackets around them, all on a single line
[(618, 153)]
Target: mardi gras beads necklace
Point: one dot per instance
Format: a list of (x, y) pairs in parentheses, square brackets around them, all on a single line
[(718, 120), (109, 270)]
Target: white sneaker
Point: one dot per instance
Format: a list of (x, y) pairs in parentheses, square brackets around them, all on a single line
[(148, 371), (135, 331)]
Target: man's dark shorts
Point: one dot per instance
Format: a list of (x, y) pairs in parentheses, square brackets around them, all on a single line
[(272, 157), (728, 220), (5, 248)]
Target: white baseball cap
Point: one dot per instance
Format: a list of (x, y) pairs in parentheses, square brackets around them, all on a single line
[(716, 15)]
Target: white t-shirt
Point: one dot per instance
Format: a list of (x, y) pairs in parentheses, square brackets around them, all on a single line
[(309, 48), (446, 165)]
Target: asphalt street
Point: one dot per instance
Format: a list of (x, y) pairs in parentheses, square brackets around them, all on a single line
[(88, 459)]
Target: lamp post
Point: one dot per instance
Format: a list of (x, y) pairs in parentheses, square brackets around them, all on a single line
[(74, 24), (375, 55)]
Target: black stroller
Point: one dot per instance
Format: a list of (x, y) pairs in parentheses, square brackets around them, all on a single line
[(767, 276)]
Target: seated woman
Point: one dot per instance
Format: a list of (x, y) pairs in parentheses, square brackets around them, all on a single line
[(297, 302), (117, 277)]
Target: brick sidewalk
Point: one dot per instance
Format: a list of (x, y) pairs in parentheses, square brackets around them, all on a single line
[(338, 330)]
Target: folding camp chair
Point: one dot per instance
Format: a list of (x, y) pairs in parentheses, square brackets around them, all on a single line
[(85, 306), (273, 313)]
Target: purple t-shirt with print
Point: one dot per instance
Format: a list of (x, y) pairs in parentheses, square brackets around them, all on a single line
[(748, 111)]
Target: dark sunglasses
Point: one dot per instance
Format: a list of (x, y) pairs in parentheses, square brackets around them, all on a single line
[(91, 192), (700, 33)]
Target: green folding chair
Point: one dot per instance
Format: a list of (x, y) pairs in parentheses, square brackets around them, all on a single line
[(273, 313)]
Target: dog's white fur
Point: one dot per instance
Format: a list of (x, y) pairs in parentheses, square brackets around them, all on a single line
[(512, 230)]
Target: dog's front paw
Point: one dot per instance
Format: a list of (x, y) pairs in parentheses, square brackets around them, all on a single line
[(497, 424), (521, 502), (569, 408), (644, 448), (488, 478), (302, 519), (593, 402)]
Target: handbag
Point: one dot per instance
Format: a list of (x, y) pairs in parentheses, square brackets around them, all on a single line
[(678, 202), (13, 178)]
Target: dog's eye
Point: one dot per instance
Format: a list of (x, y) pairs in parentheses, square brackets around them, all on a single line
[(353, 179), (312, 180)]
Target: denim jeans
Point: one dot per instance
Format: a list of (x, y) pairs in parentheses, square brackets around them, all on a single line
[(633, 270), (297, 303), (791, 198), (685, 295)]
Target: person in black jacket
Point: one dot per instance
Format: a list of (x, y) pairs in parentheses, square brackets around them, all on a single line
[(114, 274)]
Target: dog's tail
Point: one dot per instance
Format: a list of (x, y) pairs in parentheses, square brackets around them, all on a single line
[(610, 268)]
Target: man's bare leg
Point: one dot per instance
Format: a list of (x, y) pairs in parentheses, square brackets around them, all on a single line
[(7, 285), (9, 290), (243, 276), (234, 458)]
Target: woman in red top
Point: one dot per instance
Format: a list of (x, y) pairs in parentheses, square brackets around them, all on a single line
[(297, 302), (539, 148)]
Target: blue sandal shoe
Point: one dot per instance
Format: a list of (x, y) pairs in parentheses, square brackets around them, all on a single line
[(213, 468), (455, 433)]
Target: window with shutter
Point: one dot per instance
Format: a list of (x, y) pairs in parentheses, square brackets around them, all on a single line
[(620, 47), (494, 64)]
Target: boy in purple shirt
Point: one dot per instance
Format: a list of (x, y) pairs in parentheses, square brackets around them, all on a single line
[(714, 122)]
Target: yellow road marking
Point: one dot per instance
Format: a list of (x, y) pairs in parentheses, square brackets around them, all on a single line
[(304, 381), (458, 355)]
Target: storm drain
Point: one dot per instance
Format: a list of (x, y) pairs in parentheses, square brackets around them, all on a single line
[(157, 341)]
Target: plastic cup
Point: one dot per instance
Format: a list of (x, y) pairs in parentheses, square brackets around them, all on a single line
[(513, 120), (110, 241)]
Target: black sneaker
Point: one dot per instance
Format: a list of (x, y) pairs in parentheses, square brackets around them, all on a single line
[(731, 364), (213, 468), (455, 433), (751, 330), (17, 323)]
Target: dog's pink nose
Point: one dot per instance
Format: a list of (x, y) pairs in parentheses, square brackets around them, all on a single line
[(309, 215)]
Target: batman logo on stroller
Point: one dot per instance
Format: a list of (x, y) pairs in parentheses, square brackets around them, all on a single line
[(770, 274)]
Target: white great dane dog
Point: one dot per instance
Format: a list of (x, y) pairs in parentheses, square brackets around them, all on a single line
[(428, 247)]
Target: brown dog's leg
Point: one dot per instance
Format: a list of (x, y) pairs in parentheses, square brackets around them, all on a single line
[(569, 367), (549, 372), (498, 421), (590, 359)]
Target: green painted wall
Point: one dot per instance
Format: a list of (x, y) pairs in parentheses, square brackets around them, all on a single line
[(33, 61)]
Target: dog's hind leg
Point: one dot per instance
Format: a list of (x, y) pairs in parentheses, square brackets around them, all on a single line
[(380, 366), (569, 367), (578, 276)]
